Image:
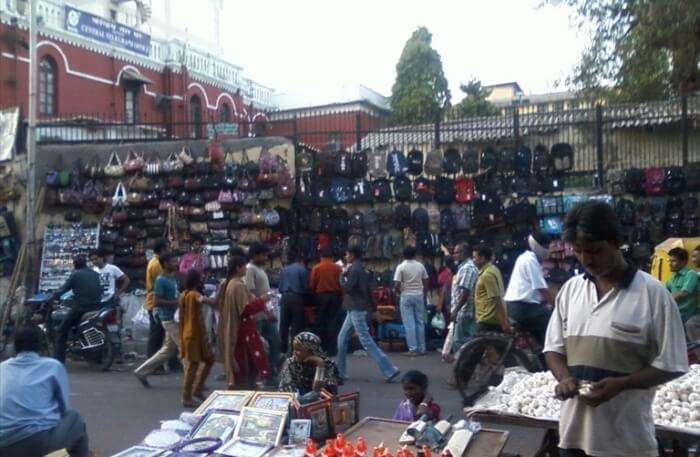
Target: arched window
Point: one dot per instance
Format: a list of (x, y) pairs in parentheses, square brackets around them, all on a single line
[(195, 117), (47, 87), (224, 113)]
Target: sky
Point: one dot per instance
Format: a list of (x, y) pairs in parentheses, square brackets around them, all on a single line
[(316, 51)]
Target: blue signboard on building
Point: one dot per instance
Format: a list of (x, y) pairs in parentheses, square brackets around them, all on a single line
[(106, 31)]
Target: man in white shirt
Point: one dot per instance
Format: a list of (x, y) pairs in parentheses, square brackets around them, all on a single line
[(411, 283), (617, 328), (113, 280), (528, 294)]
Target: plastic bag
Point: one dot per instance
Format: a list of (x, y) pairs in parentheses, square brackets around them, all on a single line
[(438, 322), (141, 321)]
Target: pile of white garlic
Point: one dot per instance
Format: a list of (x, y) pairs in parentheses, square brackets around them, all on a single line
[(676, 404)]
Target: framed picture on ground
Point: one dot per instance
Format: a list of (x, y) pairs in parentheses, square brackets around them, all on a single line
[(288, 451), (139, 451), (240, 448), (275, 401), (319, 415), (299, 431), (232, 400), (261, 426), (217, 423), (345, 411)]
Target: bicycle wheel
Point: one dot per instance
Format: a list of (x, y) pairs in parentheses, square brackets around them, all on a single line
[(473, 372)]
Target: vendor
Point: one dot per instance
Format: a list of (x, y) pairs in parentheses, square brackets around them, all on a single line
[(617, 328), (418, 400), (308, 369)]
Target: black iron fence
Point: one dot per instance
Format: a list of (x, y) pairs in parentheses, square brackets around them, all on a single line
[(603, 136)]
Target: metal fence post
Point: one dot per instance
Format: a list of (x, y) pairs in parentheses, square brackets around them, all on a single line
[(358, 131), (599, 144), (684, 127), (437, 134), (516, 127), (295, 132)]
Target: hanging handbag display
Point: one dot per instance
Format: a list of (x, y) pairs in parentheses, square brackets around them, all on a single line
[(185, 156), (59, 176), (134, 162), (114, 167), (120, 196), (172, 164), (225, 197), (140, 183), (152, 167)]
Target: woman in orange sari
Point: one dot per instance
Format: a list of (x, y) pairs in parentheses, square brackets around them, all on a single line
[(194, 349), (240, 346)]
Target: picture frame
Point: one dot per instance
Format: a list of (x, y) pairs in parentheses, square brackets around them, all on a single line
[(261, 426), (139, 451), (345, 411), (216, 423), (231, 400), (320, 415), (275, 401), (287, 451), (241, 448), (299, 431)]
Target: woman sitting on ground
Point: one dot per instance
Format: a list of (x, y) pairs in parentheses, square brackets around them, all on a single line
[(308, 369)]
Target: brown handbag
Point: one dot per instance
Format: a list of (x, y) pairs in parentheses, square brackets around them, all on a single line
[(175, 181), (134, 198), (140, 183), (199, 228)]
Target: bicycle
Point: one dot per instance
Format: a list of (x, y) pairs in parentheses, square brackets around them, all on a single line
[(481, 362)]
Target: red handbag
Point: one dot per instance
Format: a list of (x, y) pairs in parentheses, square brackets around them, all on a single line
[(464, 189), (134, 163)]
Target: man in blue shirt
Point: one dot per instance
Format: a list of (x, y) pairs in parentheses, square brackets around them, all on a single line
[(35, 414), (294, 287), (165, 298)]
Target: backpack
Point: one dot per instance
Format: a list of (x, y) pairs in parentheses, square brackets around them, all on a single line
[(396, 163), (358, 164), (316, 221), (562, 157), (461, 218), (422, 190), (523, 161), (451, 162), (385, 217), (506, 160), (433, 219), (357, 223), (304, 161), (444, 190), (433, 163), (402, 189), (343, 164), (341, 190), (325, 165), (616, 181), (520, 185), (304, 195), (489, 159), (381, 190), (420, 220), (520, 211), (424, 243), (370, 247), (402, 216), (470, 161), (341, 221), (377, 162), (321, 193), (328, 221), (371, 221), (387, 248), (355, 241), (634, 181), (362, 191), (692, 176), (674, 180), (415, 162), (447, 220), (464, 189), (397, 244), (654, 181), (542, 161), (626, 212)]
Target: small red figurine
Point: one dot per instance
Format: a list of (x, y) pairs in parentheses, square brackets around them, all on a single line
[(361, 447), (426, 451), (310, 448), (329, 450), (348, 451)]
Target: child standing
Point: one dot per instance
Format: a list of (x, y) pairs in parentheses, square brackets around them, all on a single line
[(418, 400), (195, 350)]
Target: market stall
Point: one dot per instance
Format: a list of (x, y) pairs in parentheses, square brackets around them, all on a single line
[(526, 400)]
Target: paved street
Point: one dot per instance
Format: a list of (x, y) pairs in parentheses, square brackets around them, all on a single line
[(120, 412)]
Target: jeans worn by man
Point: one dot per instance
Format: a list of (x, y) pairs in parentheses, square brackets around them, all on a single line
[(35, 414), (413, 318), (294, 287)]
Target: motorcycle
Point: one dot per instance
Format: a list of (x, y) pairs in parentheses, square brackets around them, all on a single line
[(95, 338)]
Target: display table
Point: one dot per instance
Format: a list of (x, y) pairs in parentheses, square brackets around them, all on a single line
[(486, 443), (680, 441)]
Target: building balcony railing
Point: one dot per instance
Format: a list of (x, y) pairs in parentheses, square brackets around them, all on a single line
[(199, 61)]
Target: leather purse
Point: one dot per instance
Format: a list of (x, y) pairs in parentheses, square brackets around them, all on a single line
[(140, 183), (185, 156), (119, 215), (286, 187), (151, 213), (152, 167), (219, 233), (175, 182), (197, 200), (108, 235), (114, 167), (134, 214), (134, 198), (184, 198), (199, 228), (134, 162), (225, 197), (166, 204), (120, 196), (157, 221), (193, 183), (172, 164)]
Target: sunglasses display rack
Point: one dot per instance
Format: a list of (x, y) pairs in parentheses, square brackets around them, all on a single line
[(61, 244)]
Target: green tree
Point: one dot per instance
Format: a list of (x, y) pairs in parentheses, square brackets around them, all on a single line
[(475, 101), (420, 93), (644, 49)]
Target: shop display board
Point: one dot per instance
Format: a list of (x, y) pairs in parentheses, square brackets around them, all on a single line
[(61, 244)]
